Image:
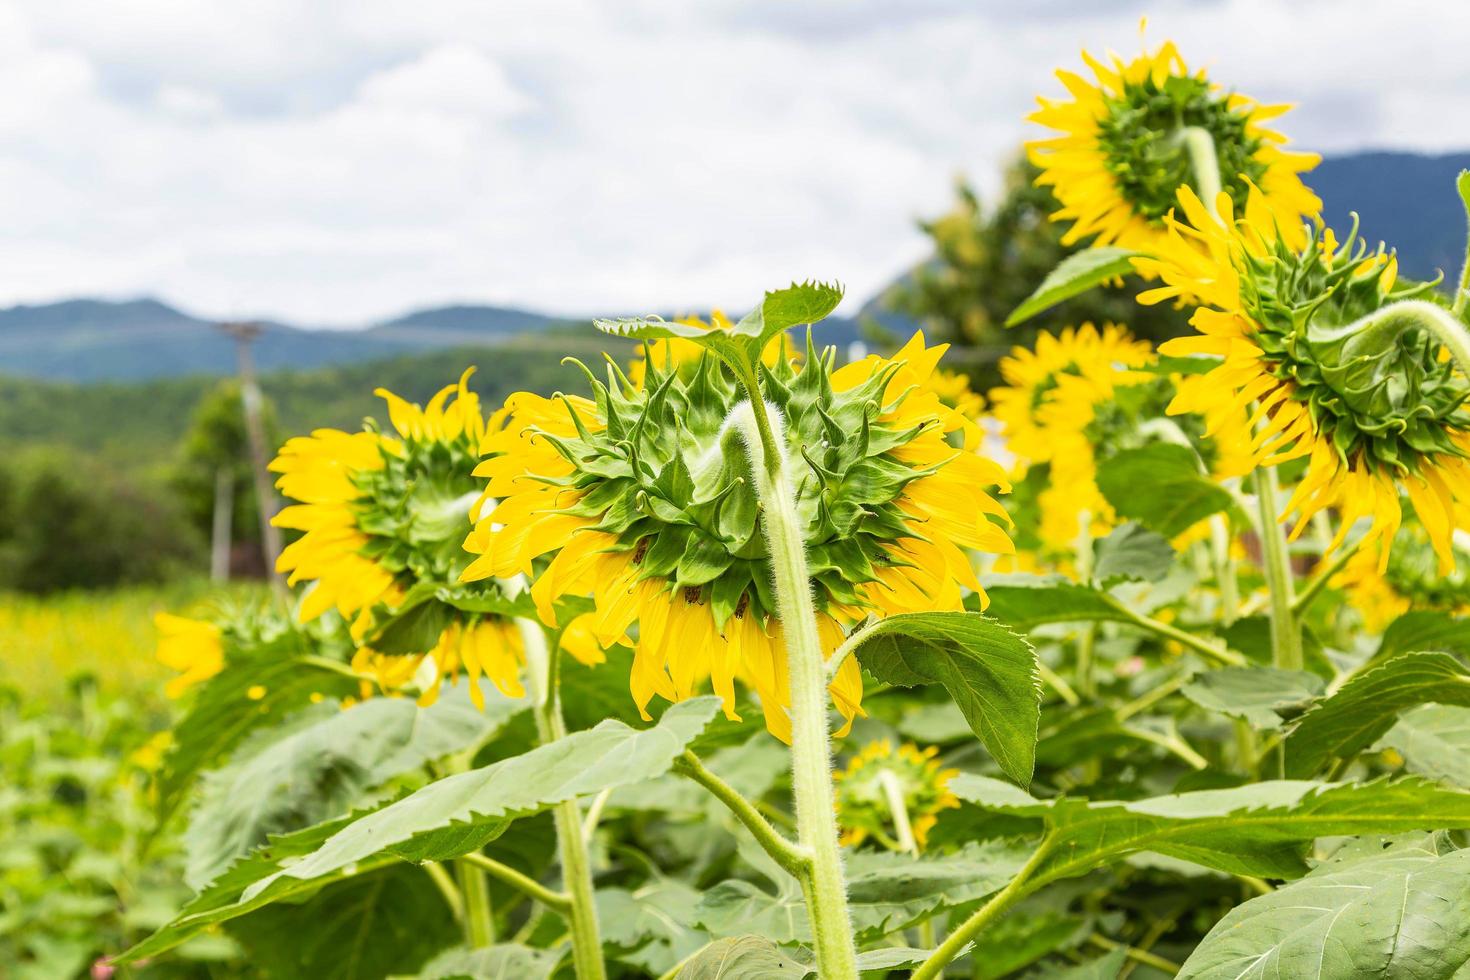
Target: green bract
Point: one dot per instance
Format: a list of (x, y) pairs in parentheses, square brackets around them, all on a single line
[(1141, 139), (1376, 387), (666, 472)]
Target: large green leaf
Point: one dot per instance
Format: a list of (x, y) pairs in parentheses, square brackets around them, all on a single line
[(886, 892), (742, 958), (1028, 601), (1132, 553), (1106, 967), (650, 924), (989, 671), (503, 961), (444, 819), (1162, 487), (260, 685), (1434, 740), (1395, 913), (1262, 696), (322, 763), (1366, 707), (1075, 274), (390, 921), (1424, 629), (1258, 829)]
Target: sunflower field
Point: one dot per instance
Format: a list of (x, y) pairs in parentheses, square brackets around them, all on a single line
[(744, 660)]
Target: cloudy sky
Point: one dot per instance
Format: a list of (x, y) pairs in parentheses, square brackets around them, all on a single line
[(339, 162)]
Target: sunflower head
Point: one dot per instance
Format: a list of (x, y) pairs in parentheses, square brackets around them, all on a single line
[(382, 520), (875, 775), (1061, 400), (641, 496), (1374, 404), (1122, 150)]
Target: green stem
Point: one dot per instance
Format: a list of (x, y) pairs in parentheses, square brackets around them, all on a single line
[(1137, 955), (1286, 635), (811, 749), (1408, 314), (1204, 162), (1324, 575), (576, 868), (1019, 887), (1220, 654), (1225, 580), (447, 888), (1462, 295), (904, 829), (787, 855), (1055, 681), (479, 916), (523, 883)]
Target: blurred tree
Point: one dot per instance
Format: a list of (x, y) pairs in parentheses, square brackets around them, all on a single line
[(985, 265), (70, 524), (217, 443)]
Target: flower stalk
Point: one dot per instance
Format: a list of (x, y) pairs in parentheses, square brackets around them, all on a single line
[(576, 867), (811, 754), (1286, 634)]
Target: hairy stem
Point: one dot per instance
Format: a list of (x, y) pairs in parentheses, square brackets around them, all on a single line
[(789, 856), (576, 868), (1286, 634), (811, 750), (479, 916), (1019, 887), (530, 887), (1204, 162)]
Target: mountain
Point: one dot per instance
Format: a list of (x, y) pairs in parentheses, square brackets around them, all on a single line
[(1405, 199)]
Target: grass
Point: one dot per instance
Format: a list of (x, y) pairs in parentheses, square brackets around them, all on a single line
[(46, 641)]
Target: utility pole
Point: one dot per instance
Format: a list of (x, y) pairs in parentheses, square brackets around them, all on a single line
[(265, 497), (220, 530)]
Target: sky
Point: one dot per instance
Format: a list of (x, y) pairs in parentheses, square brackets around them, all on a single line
[(338, 163)]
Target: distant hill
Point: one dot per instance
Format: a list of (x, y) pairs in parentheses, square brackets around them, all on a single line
[(1405, 199)]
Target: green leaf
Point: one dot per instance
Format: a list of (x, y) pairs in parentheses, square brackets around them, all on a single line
[(504, 961), (742, 958), (886, 892), (260, 685), (1106, 967), (1028, 601), (1366, 707), (444, 819), (1395, 913), (651, 923), (1022, 938), (322, 763), (743, 344), (391, 921), (1161, 486), (1074, 275), (989, 671), (1424, 629), (1258, 829), (1131, 553), (1434, 740), (1264, 697)]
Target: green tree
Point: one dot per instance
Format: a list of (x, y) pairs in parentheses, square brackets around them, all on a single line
[(985, 264), (216, 441)]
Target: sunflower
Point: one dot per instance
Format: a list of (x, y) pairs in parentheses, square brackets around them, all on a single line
[(864, 801), (1052, 410), (382, 514), (1372, 408), (194, 647), (641, 498), (1121, 153), (1411, 579)]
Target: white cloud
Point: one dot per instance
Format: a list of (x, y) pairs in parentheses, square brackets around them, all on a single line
[(337, 162)]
